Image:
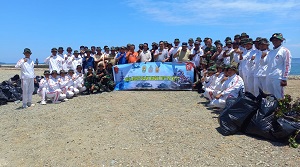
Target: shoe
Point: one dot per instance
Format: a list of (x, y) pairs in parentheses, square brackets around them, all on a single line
[(65, 100), (24, 106), (43, 102), (30, 105), (56, 102)]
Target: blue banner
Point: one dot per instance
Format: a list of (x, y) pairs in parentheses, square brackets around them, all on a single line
[(154, 76)]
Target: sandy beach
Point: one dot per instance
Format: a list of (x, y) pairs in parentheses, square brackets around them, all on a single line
[(130, 128)]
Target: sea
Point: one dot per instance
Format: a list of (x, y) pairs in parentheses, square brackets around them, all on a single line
[(295, 70)]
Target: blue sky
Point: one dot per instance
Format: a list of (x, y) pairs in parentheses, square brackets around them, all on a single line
[(41, 25)]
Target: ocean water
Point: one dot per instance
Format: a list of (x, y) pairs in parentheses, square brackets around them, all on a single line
[(295, 70)]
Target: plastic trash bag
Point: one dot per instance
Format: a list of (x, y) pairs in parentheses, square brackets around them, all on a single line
[(286, 126), (261, 123), (237, 113), (3, 98)]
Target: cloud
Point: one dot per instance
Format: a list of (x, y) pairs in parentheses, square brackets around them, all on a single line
[(191, 12)]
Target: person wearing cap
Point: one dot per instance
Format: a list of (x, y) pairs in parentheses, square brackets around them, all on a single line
[(230, 88), (228, 53), (65, 84), (112, 55), (209, 50), (191, 43), (121, 57), (237, 38), (161, 54), (54, 61), (105, 55), (218, 55), (244, 71), (93, 51), (208, 77), (259, 69), (205, 43), (154, 47), (145, 53), (279, 66), (90, 81), (47, 89), (78, 80), (215, 83), (103, 78), (55, 85), (199, 40), (71, 83), (88, 61), (217, 42), (98, 56), (75, 60), (131, 55), (26, 65), (183, 53), (68, 59), (256, 43), (174, 50), (195, 56)]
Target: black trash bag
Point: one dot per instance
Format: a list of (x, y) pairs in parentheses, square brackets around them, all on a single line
[(237, 113), (15, 78), (286, 126), (36, 84), (3, 98), (10, 91), (261, 123)]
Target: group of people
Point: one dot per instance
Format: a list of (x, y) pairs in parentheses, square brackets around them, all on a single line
[(247, 65), (223, 70)]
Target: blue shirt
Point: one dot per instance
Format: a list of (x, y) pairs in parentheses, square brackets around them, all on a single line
[(122, 60), (87, 63)]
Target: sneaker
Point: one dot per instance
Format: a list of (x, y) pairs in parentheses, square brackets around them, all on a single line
[(56, 102), (24, 106), (43, 102), (30, 105), (65, 100)]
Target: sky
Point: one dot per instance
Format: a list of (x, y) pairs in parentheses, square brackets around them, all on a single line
[(41, 25)]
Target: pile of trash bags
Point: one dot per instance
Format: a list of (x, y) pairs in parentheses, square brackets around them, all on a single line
[(11, 90), (256, 116)]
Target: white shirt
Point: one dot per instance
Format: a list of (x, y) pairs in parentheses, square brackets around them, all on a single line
[(260, 69), (173, 51), (243, 63), (27, 68), (145, 56), (76, 61), (55, 63), (196, 59), (232, 86), (164, 54), (279, 63)]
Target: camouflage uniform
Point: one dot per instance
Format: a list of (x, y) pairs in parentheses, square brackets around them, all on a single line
[(90, 81)]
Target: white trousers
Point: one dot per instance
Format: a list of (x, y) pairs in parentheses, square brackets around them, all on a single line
[(207, 95), (220, 103), (54, 96), (259, 83), (273, 87), (68, 91), (27, 90), (250, 83)]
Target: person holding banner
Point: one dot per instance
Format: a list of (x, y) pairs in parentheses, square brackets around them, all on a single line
[(183, 53), (161, 54), (131, 55)]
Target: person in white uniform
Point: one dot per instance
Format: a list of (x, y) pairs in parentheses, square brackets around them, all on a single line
[(54, 61), (65, 84), (231, 88), (45, 91), (27, 77), (260, 70), (279, 66)]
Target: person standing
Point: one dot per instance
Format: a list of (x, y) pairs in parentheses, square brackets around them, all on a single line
[(174, 50), (55, 62), (88, 61), (183, 53), (279, 66), (132, 56), (27, 77), (161, 54), (121, 57), (145, 53)]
